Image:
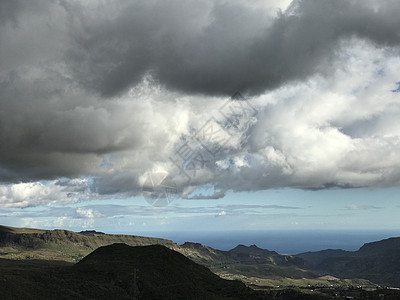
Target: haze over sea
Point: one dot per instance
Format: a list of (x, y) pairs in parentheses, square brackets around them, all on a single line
[(281, 241)]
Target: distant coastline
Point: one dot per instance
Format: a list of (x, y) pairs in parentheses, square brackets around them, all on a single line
[(281, 241)]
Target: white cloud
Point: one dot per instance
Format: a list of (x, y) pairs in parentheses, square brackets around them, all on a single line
[(44, 193), (361, 207), (222, 213), (87, 213)]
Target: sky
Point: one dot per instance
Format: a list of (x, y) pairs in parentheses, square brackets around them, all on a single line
[(165, 115)]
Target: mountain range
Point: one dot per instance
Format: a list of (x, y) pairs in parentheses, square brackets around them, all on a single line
[(135, 265)]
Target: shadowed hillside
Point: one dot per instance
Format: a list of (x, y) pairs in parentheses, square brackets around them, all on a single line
[(378, 262), (119, 271), (158, 272)]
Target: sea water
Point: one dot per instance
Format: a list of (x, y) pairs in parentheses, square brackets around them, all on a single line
[(281, 241)]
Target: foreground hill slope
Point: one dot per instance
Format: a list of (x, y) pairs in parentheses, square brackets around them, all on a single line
[(158, 272), (119, 271)]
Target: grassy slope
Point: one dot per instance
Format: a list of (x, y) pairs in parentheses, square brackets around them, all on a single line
[(20, 230), (24, 243)]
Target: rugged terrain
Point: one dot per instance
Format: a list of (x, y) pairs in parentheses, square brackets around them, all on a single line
[(120, 271), (251, 265), (26, 254), (378, 262)]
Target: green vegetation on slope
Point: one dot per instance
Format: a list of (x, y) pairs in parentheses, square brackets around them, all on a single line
[(23, 243)]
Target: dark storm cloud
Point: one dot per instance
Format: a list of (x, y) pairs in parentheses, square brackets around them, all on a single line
[(37, 140), (49, 128), (9, 11), (221, 47), (65, 67), (12, 10)]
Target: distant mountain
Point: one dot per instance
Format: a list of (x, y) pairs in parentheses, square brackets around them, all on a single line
[(378, 262), (91, 232), (248, 261), (256, 255), (314, 259), (261, 268)]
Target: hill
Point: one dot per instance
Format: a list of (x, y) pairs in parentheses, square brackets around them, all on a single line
[(378, 262), (261, 268), (26, 243), (119, 271), (156, 272), (253, 261)]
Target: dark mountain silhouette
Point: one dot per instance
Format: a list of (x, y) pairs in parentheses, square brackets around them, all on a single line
[(156, 272), (314, 259), (91, 232)]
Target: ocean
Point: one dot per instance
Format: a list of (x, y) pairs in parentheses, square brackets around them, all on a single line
[(282, 241)]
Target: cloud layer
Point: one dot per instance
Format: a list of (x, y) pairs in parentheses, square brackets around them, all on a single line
[(97, 96), (217, 47)]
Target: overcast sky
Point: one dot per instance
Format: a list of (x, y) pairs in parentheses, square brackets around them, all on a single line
[(99, 97)]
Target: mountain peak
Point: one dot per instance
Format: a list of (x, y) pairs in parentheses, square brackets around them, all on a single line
[(252, 248), (192, 245), (151, 270)]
